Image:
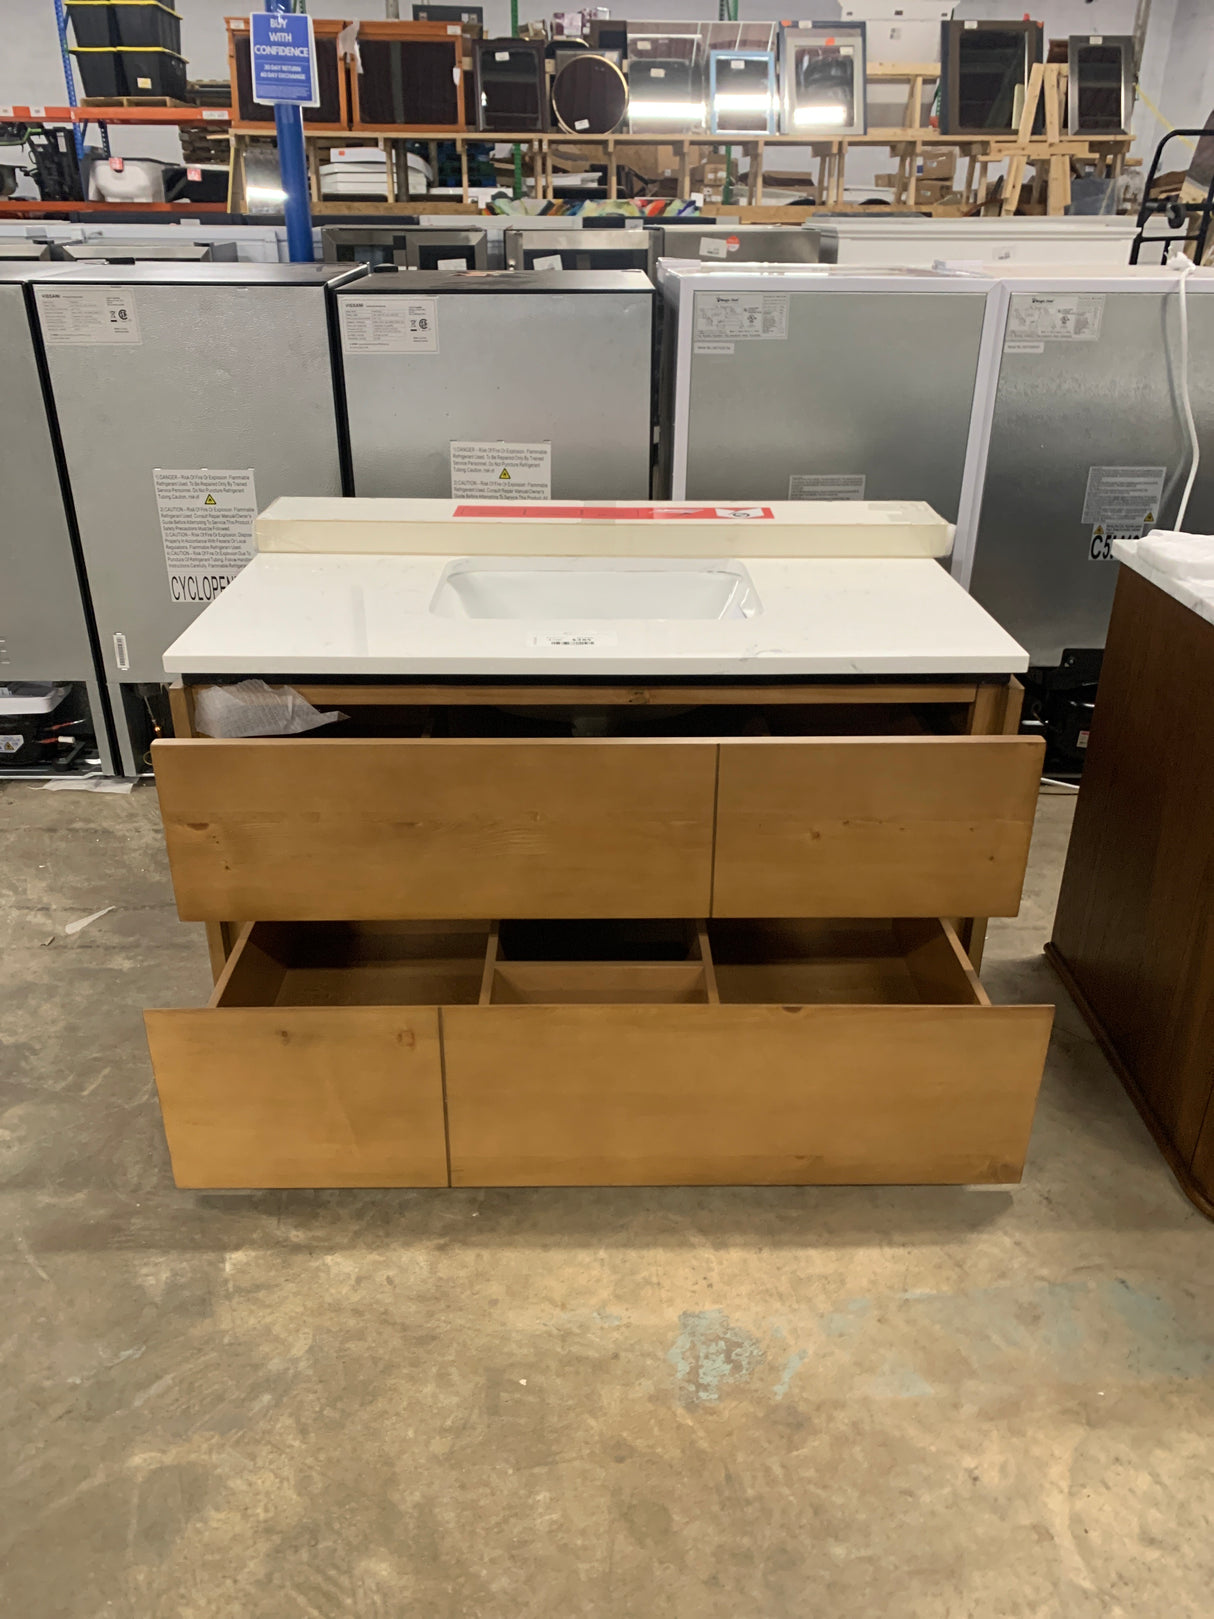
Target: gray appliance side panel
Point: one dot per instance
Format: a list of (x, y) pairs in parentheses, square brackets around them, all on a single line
[(224, 377), (878, 383), (570, 369), (1110, 402), (43, 634)]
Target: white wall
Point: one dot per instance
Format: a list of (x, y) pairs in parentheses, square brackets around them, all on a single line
[(1178, 66)]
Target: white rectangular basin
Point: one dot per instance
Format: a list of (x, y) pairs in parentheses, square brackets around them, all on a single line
[(560, 589)]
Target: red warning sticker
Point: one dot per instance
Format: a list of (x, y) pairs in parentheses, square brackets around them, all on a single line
[(621, 514)]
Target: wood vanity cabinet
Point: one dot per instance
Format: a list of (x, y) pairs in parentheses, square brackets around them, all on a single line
[(625, 960), (1134, 932)]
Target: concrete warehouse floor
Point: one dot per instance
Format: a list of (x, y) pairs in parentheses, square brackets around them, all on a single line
[(912, 1403)]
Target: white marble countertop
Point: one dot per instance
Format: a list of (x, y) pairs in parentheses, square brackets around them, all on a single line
[(1180, 564), (302, 615)]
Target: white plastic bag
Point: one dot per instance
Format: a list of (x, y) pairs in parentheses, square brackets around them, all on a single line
[(251, 708)]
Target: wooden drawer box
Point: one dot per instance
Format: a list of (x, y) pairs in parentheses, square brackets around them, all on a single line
[(598, 1053), (319, 829)]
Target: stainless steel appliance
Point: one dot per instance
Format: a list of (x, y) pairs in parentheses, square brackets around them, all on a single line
[(118, 252), (44, 624), (802, 384), (223, 369), (421, 247), (579, 249), (429, 249), (557, 362), (1087, 439), (743, 244)]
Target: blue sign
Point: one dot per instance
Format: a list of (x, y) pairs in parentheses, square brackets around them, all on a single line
[(284, 59)]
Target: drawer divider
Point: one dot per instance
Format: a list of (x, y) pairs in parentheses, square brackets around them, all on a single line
[(937, 962), (231, 965), (710, 972), (716, 808), (442, 1072), (491, 948)]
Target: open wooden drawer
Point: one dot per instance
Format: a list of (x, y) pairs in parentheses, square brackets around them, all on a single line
[(598, 1053), (321, 829)]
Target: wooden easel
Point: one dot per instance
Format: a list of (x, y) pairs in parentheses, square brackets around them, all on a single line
[(1052, 166)]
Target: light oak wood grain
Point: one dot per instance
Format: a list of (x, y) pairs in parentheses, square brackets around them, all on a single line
[(655, 1095), (334, 828), (898, 826), (554, 983), (301, 1096)]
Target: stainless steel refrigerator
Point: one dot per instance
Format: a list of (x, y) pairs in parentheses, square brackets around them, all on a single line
[(441, 366), (188, 396), (1087, 440), (802, 384), (44, 621)]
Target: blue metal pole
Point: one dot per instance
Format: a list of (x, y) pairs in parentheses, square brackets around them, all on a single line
[(69, 80), (293, 170)]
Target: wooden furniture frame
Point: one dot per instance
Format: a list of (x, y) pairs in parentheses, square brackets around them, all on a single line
[(664, 991), (404, 34)]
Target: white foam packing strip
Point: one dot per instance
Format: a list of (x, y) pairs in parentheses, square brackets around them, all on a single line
[(603, 528)]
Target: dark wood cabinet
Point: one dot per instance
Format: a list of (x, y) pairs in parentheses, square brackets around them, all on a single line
[(1134, 933)]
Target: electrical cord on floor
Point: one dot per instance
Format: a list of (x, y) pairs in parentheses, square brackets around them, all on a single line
[(157, 731), (1184, 267)]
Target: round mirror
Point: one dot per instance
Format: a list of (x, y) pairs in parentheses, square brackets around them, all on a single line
[(589, 95)]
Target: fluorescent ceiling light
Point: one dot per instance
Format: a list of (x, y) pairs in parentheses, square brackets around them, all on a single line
[(824, 116)]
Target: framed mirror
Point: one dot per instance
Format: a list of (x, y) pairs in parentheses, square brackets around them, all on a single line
[(667, 72), (511, 86), (984, 70), (589, 95), (742, 93), (1100, 84), (822, 79)]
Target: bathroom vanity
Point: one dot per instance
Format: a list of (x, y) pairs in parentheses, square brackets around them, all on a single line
[(655, 847)]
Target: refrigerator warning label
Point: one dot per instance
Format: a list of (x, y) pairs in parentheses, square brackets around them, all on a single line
[(387, 324), (827, 486), (1052, 317), (503, 471), (206, 523), (726, 315), (1124, 499), (72, 316)]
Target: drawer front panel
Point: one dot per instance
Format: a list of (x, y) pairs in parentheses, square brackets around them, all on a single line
[(900, 826), (740, 1095), (301, 1096), (321, 830)]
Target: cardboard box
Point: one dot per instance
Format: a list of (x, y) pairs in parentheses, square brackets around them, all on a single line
[(938, 165)]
